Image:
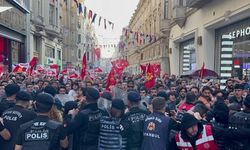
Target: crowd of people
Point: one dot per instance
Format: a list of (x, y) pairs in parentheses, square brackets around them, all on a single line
[(46, 113)]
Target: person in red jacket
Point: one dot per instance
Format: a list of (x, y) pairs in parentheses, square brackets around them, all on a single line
[(189, 102)]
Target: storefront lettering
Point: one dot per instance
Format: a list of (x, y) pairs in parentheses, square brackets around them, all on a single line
[(240, 33)]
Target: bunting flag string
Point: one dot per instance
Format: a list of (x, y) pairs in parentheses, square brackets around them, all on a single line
[(139, 38), (89, 14)]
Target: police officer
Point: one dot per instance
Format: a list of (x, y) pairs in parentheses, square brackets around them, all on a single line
[(242, 120), (41, 133), (110, 136), (16, 116), (10, 90), (133, 122), (87, 123), (157, 127), (4, 133)]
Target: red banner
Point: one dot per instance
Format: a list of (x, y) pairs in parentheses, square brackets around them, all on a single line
[(119, 65), (32, 64), (97, 70), (84, 66), (157, 69), (97, 53), (150, 77), (111, 79)]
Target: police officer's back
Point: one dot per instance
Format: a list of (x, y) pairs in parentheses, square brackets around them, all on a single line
[(41, 133), (133, 122), (242, 120), (16, 116), (10, 90), (87, 123)]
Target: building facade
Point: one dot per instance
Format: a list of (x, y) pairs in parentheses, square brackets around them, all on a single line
[(213, 32), (13, 33), (150, 18), (45, 32)]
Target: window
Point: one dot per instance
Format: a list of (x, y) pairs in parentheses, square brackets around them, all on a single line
[(166, 9), (87, 56), (49, 52), (79, 54), (40, 7), (51, 14), (59, 55), (79, 38), (56, 16), (188, 56)]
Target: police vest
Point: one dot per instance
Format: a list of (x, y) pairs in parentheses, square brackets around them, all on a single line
[(40, 135), (110, 137), (136, 119), (204, 142), (90, 135)]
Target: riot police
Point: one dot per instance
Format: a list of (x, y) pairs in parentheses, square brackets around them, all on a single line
[(86, 124), (16, 116), (133, 122), (241, 120), (41, 133)]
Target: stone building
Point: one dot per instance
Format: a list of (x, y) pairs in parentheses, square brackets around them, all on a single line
[(13, 33), (45, 32), (150, 18), (214, 32)]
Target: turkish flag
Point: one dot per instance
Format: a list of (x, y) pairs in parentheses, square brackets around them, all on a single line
[(119, 65), (32, 64), (111, 79), (19, 68), (40, 68), (64, 71), (73, 76), (157, 69), (97, 69), (97, 53), (51, 72), (84, 66), (150, 77)]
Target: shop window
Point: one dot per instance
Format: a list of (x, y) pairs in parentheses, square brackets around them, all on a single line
[(188, 55)]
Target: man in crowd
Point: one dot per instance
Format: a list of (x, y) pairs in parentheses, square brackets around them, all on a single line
[(238, 92), (10, 90), (133, 122), (41, 133), (16, 116), (110, 134)]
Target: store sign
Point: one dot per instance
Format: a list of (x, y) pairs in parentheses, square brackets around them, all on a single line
[(240, 33)]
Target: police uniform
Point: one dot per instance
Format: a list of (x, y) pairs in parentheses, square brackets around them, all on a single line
[(133, 122), (86, 124), (156, 132), (14, 117), (41, 133)]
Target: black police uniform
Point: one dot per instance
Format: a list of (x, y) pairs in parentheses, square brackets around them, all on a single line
[(132, 127), (40, 134), (12, 119), (6, 104), (87, 125)]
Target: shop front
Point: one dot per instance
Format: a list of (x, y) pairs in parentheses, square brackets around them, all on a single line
[(233, 47)]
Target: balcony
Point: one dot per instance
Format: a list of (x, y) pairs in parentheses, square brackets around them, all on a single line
[(179, 15), (197, 3), (165, 26)]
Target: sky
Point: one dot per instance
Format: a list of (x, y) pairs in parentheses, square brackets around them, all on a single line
[(117, 11)]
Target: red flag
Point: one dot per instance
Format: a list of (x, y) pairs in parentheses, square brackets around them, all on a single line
[(84, 66), (150, 77), (40, 68), (119, 65), (19, 68), (64, 71), (157, 69), (143, 68), (32, 64), (97, 69), (73, 76), (111, 79), (202, 72), (97, 53)]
